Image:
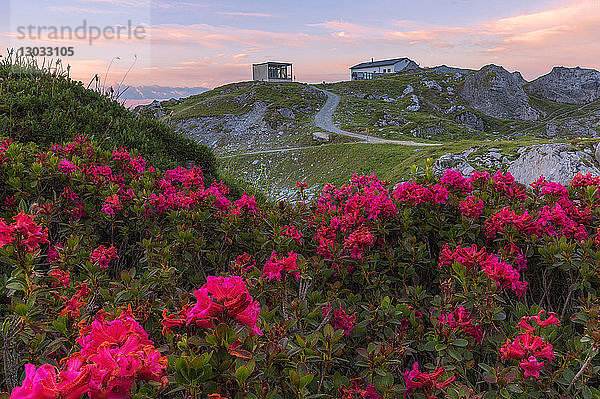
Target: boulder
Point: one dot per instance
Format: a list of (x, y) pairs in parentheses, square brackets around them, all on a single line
[(556, 162), (469, 119), (568, 85), (452, 161), (498, 93), (322, 137), (287, 113)]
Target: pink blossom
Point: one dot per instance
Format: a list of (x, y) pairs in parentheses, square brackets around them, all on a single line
[(276, 265), (471, 207), (103, 256), (531, 367)]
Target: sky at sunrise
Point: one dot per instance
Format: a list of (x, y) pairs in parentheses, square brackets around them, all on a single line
[(210, 43)]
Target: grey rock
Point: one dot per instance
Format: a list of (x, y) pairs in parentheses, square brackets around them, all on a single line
[(409, 89), (498, 93), (469, 119), (454, 162), (287, 113), (597, 153), (321, 136), (568, 85), (556, 162), (496, 156), (432, 84)]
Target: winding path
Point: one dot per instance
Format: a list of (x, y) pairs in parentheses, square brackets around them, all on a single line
[(324, 120)]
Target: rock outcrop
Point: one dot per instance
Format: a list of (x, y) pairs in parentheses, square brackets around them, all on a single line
[(456, 162), (568, 85), (498, 93), (469, 119), (556, 162)]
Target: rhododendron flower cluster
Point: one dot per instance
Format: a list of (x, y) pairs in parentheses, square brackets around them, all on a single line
[(471, 207), (505, 218), (245, 204), (24, 231), (221, 299), (528, 347), (340, 320), (63, 277), (276, 265), (356, 392), (357, 241), (416, 194), (428, 382), (455, 180), (112, 204), (502, 273), (103, 256), (461, 319), (67, 167), (114, 354), (291, 232), (505, 183), (74, 304)]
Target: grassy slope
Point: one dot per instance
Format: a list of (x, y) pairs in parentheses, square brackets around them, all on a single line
[(50, 108), (239, 98)]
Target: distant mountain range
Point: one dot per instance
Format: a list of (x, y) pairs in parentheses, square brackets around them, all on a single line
[(160, 92)]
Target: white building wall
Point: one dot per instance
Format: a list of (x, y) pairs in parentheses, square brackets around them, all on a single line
[(397, 67)]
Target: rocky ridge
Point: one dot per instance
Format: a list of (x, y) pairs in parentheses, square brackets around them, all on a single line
[(567, 85)]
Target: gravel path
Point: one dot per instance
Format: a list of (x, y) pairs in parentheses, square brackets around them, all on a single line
[(324, 120)]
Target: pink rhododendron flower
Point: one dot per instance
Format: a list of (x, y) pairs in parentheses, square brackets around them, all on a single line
[(276, 265), (358, 241), (503, 273), (550, 320), (221, 299), (415, 379), (531, 367), (471, 207), (245, 203), (66, 167), (103, 256), (461, 319), (506, 184), (291, 232), (112, 204), (343, 321), (44, 383), (24, 231), (63, 277), (355, 391), (455, 180)]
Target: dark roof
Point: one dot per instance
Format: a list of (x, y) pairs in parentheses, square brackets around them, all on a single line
[(379, 63)]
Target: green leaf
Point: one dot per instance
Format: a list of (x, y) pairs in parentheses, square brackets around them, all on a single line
[(242, 374), (304, 381), (460, 342)]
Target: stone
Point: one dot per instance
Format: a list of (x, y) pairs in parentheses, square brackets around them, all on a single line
[(597, 153), (321, 136), (469, 119), (409, 89), (287, 113), (432, 84), (496, 92), (568, 85), (556, 162), (454, 162)]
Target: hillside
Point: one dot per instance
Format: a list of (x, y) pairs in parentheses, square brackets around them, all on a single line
[(47, 107), (265, 133)]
